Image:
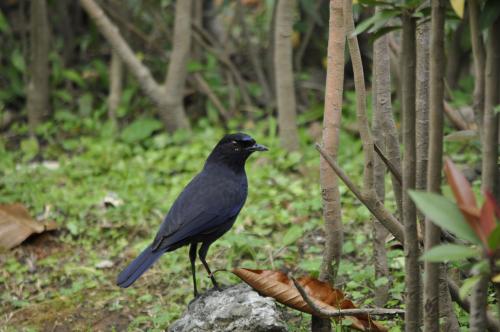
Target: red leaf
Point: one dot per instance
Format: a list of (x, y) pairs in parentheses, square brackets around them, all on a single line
[(472, 216), (459, 185), (487, 219), (489, 196), (465, 198)]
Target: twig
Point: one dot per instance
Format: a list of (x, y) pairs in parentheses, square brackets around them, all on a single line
[(199, 36), (491, 321), (253, 56), (310, 22), (376, 208), (456, 117), (394, 171), (205, 88), (132, 28), (344, 312)]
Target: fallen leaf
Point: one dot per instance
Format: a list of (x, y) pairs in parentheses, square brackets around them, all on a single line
[(277, 285), (16, 225)]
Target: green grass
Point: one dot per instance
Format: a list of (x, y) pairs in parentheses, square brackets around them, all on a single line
[(55, 280)]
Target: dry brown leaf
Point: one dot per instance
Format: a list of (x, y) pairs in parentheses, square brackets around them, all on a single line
[(16, 225), (277, 285)]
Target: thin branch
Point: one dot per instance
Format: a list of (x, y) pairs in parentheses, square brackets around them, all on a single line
[(254, 56), (125, 21), (345, 312), (479, 57), (200, 36), (393, 169), (359, 85), (455, 117), (205, 88), (493, 324), (112, 35), (310, 23), (370, 201)]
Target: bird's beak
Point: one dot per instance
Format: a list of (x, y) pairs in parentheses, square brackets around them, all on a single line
[(257, 147)]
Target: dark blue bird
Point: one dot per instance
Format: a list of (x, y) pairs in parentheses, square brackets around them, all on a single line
[(204, 211)]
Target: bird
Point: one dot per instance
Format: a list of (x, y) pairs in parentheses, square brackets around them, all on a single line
[(204, 211)]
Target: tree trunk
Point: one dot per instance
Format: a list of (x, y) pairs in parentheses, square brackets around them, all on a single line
[(172, 112), (271, 45), (285, 91), (446, 307), (433, 232), (422, 105), (412, 267), (381, 87), (490, 122), (151, 88), (38, 86), (330, 140), (359, 85), (454, 56), (479, 60), (253, 56), (478, 303), (115, 85), (477, 320)]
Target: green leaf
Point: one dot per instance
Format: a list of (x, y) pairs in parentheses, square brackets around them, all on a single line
[(489, 13), (292, 235), (444, 213), (194, 66), (73, 76), (30, 148), (380, 32), (449, 252), (467, 286), (381, 282), (4, 24), (85, 104), (377, 21), (375, 3), (140, 130), (73, 227), (361, 27), (494, 238), (18, 60)]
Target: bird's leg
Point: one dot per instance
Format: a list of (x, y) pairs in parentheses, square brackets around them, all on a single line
[(192, 257), (203, 254)]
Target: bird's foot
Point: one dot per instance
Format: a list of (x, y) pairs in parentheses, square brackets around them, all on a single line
[(196, 296)]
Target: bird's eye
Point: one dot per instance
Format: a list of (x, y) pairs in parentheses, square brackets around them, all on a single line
[(234, 143)]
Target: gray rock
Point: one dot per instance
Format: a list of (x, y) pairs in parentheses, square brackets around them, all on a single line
[(236, 309)]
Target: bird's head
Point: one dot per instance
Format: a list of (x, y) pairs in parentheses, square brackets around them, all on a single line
[(234, 149)]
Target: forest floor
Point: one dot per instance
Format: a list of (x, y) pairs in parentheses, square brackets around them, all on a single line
[(65, 280)]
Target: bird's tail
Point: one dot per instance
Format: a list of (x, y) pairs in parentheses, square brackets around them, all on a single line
[(135, 269)]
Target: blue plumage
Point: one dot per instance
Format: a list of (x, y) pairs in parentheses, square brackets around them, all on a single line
[(205, 210)]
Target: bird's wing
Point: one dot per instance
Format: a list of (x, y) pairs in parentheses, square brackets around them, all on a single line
[(205, 203)]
